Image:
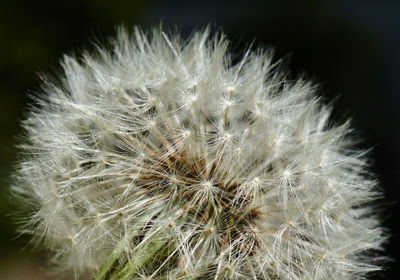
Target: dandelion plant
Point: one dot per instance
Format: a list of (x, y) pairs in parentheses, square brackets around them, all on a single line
[(161, 158)]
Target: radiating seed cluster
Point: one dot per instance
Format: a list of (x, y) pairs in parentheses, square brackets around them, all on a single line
[(193, 168)]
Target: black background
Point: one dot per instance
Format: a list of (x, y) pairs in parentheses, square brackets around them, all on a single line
[(352, 48)]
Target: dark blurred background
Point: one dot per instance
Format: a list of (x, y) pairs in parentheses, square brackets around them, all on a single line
[(352, 48)]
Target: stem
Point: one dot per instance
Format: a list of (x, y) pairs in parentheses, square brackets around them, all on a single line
[(143, 253), (113, 257), (108, 263), (114, 268)]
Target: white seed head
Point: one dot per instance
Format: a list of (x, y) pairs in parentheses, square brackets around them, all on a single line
[(235, 168)]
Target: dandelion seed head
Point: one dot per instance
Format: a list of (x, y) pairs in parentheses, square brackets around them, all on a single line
[(238, 168)]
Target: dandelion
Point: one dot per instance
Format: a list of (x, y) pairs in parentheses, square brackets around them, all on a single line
[(163, 159)]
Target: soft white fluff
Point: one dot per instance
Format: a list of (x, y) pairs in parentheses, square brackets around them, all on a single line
[(233, 168)]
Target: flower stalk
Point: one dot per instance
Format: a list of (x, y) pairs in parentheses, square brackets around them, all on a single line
[(146, 250)]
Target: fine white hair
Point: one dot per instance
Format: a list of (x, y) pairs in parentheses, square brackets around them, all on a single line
[(164, 153)]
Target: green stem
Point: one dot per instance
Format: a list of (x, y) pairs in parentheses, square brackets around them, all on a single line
[(108, 263), (112, 258), (152, 243)]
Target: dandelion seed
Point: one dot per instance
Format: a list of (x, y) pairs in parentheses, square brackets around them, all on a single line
[(163, 160)]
